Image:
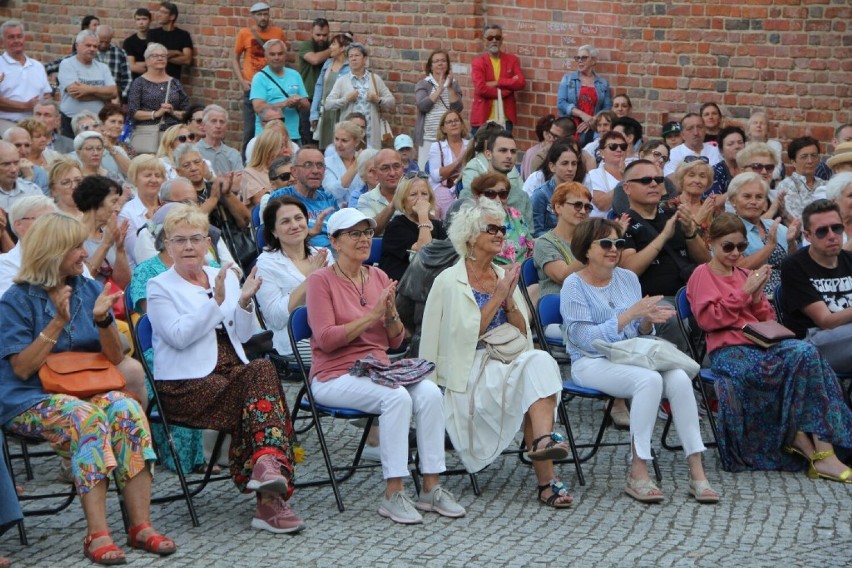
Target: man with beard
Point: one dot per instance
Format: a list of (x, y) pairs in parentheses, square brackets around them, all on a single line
[(312, 55), (249, 47), (495, 73), (279, 86)]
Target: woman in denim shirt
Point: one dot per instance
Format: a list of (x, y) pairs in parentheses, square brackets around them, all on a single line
[(583, 94)]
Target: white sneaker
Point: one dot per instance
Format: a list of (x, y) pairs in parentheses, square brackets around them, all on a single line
[(400, 509), (440, 501)]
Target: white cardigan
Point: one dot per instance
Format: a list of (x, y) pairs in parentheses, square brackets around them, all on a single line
[(336, 100), (184, 319), (451, 326)]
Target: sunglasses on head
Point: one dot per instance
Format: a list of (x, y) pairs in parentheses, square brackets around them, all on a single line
[(607, 244), (761, 167), (690, 159), (613, 146), (647, 180), (493, 229), (579, 205), (415, 175), (283, 176), (728, 246), (822, 232), (493, 193), (185, 137)]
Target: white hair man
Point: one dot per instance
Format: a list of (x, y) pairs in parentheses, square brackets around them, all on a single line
[(24, 79)]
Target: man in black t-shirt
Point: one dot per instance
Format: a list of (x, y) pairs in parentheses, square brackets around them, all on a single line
[(178, 42), (663, 246), (135, 44), (816, 286)]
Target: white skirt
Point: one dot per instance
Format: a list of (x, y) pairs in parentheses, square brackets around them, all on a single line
[(481, 426)]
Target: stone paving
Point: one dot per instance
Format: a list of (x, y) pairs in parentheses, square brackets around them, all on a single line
[(764, 519)]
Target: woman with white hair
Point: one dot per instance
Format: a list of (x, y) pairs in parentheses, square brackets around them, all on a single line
[(584, 93), (839, 190), (341, 164)]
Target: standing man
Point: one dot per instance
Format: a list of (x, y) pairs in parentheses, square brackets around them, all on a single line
[(279, 86), (84, 83), (178, 42), (692, 131), (249, 46), (47, 110), (24, 79), (312, 55), (224, 158), (115, 58), (495, 73), (135, 44)]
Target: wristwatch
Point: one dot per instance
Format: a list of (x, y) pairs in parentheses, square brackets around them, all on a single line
[(106, 322)]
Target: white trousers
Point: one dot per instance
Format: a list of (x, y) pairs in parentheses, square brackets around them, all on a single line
[(645, 388), (396, 406)]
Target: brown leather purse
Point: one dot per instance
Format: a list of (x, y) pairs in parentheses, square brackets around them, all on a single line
[(80, 374)]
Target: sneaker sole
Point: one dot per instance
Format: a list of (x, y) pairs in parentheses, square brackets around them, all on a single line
[(277, 486), (443, 512), (387, 514), (262, 525)]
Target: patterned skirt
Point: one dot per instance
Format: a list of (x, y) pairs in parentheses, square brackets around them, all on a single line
[(767, 395), (244, 400)]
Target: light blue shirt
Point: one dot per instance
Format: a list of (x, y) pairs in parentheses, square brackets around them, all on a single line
[(273, 88), (755, 243)]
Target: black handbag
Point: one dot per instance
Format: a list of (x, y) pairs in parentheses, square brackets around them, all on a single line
[(239, 241)]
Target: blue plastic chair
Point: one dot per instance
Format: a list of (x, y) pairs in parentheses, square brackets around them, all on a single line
[(255, 216), (375, 252), (260, 240), (529, 277)]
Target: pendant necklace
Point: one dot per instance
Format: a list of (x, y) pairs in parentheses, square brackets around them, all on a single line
[(361, 297)]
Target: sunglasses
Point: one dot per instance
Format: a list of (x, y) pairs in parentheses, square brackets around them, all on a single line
[(613, 146), (494, 194), (284, 176), (822, 232), (761, 167), (728, 246), (492, 229), (198, 120), (184, 137), (579, 205), (607, 244), (647, 180), (415, 175), (581, 58), (690, 159), (494, 38)]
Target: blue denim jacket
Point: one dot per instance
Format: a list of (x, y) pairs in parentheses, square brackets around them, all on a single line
[(544, 217), (569, 92), (25, 310)]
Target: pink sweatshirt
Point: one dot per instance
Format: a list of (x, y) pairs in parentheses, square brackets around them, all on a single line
[(332, 302)]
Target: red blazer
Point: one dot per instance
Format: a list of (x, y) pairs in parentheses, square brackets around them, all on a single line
[(511, 80)]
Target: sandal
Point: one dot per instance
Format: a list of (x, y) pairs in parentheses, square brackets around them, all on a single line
[(796, 452), (559, 490), (703, 492), (643, 490), (5, 562), (844, 477), (156, 543), (97, 555), (556, 449)]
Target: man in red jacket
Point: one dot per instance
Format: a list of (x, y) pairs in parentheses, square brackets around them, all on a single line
[(495, 72)]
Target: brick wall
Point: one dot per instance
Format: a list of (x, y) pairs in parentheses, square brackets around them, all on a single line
[(791, 57)]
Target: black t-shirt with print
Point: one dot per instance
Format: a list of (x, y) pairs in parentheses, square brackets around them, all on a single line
[(804, 282)]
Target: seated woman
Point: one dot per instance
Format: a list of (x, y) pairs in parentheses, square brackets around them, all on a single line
[(341, 162), (173, 137), (200, 317), (416, 225), (731, 141), (602, 124), (63, 178), (839, 190), (757, 130), (467, 301), (53, 308), (603, 301), (255, 182), (781, 407), (563, 163), (759, 157), (284, 266), (602, 180), (352, 312), (769, 242), (446, 158), (147, 175), (89, 151), (366, 165), (116, 160), (694, 178), (40, 154)]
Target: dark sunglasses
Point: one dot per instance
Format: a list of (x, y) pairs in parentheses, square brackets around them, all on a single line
[(607, 244), (761, 167), (284, 176), (579, 205), (613, 146), (494, 38), (184, 137), (647, 180), (728, 246), (197, 120), (415, 175), (492, 229), (582, 57), (822, 232), (690, 159), (493, 193)]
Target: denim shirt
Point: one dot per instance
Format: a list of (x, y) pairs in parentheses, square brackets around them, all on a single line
[(569, 93), (544, 217), (26, 310)]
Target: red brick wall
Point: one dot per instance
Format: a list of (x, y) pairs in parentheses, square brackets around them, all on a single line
[(791, 57)]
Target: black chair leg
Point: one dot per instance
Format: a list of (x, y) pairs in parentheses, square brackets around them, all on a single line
[(563, 414), (656, 465)]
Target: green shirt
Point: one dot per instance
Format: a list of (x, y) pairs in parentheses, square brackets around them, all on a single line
[(310, 73)]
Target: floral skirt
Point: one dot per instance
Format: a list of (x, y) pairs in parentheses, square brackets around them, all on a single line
[(244, 400), (767, 395)]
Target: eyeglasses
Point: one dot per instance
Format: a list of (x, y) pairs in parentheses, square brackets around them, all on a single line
[(452, 122), (493, 193), (660, 156), (647, 180), (761, 167), (613, 146), (607, 244), (356, 234), (494, 38), (311, 165), (690, 159), (185, 137), (415, 175), (67, 182), (807, 157), (195, 240), (283, 176), (388, 167), (492, 229), (157, 56), (582, 58), (578, 205), (728, 246), (822, 232)]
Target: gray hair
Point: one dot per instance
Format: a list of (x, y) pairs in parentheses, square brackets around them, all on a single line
[(12, 130), (75, 120), (744, 179), (590, 49), (468, 222), (359, 46), (365, 161), (277, 163), (166, 188), (152, 47), (23, 206), (83, 34), (298, 152), (266, 110), (181, 151), (835, 185), (209, 109), (48, 102), (10, 24), (104, 30), (491, 27), (273, 42), (753, 149)]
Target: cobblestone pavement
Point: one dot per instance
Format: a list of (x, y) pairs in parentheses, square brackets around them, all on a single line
[(764, 519)]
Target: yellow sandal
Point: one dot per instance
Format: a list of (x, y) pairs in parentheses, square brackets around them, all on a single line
[(844, 477)]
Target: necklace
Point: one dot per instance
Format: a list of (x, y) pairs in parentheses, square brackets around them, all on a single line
[(361, 297), (477, 282)]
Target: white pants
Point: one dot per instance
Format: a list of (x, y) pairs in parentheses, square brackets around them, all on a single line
[(645, 388), (396, 406), (423, 153)]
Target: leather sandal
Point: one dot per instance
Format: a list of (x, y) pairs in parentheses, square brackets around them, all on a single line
[(156, 543), (555, 449), (643, 490), (703, 492), (844, 477), (97, 555), (559, 490)]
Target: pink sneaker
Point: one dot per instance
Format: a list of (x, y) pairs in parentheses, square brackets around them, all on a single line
[(266, 476), (276, 516)]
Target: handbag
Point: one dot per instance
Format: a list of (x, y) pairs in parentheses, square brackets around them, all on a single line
[(504, 343), (767, 333), (387, 133), (146, 138), (648, 352), (80, 374)]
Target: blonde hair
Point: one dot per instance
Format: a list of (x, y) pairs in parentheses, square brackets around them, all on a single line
[(45, 246), (266, 149), (351, 128), (61, 166), (403, 189), (144, 162), (168, 140), (685, 167), (185, 214), (752, 150), (34, 126)]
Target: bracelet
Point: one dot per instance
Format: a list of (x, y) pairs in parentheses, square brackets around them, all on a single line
[(46, 339), (106, 322), (153, 114), (692, 236), (391, 319), (511, 310), (425, 226)]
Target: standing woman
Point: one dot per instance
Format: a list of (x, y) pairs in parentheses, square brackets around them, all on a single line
[(583, 94), (434, 95), (362, 91), (602, 181), (446, 158), (712, 118), (731, 141), (155, 101), (323, 121)]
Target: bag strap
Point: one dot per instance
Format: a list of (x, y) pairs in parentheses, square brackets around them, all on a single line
[(681, 264), (280, 88), (256, 36), (551, 238)]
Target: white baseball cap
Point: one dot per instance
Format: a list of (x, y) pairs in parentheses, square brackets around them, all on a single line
[(346, 219)]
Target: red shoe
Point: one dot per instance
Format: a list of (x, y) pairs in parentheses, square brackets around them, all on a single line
[(97, 555), (276, 516), (156, 543), (266, 476)]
